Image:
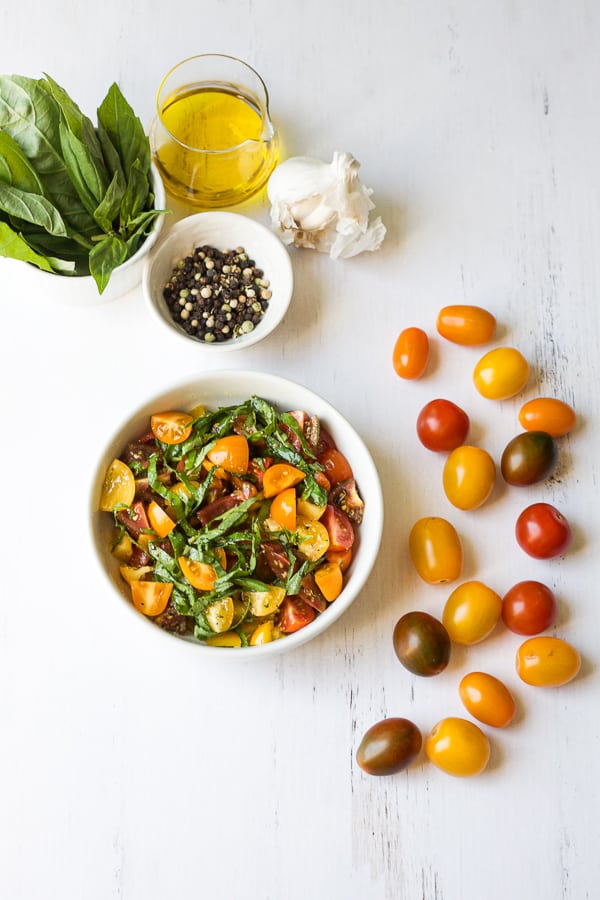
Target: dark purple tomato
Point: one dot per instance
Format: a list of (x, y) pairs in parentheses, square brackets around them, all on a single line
[(528, 458), (389, 746), (422, 643)]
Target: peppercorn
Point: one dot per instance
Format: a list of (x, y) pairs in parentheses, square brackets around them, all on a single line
[(216, 295)]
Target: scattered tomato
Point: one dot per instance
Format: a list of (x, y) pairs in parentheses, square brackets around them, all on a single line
[(542, 531), (231, 453), (118, 488), (471, 612), (487, 699), (466, 325), (436, 550), (458, 747), (501, 373), (389, 746), (421, 643), (547, 662), (530, 457), (151, 597), (171, 427), (337, 467), (411, 353), (529, 607), (442, 425), (469, 477), (279, 477), (548, 414)]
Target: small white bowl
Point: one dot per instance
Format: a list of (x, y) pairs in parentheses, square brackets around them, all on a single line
[(83, 291), (223, 388), (224, 231)]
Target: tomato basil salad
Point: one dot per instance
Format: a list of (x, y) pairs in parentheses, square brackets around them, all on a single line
[(236, 526)]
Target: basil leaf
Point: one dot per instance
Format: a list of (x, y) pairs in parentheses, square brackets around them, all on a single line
[(15, 168), (136, 194), (124, 129), (32, 208), (13, 246), (78, 124), (108, 209), (107, 254), (88, 180)]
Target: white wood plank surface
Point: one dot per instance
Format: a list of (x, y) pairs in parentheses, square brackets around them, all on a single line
[(131, 770)]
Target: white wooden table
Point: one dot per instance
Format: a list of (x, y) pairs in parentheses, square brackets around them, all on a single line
[(130, 770)]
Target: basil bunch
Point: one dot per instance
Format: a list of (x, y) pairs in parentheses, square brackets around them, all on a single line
[(75, 198)]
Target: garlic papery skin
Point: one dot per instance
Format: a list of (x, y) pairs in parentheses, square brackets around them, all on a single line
[(324, 206)]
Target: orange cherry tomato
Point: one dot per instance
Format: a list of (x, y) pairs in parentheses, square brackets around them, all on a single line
[(471, 612), (329, 580), (458, 747), (487, 699), (547, 662), (411, 353), (467, 325), (151, 597), (337, 467), (171, 427), (279, 477), (159, 521), (283, 509), (231, 453), (469, 477), (343, 558), (548, 414), (501, 373), (436, 550), (200, 575)]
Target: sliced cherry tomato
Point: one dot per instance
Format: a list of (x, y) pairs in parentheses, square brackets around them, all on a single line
[(337, 467), (200, 575), (501, 373), (283, 509), (134, 519), (262, 635), (529, 607), (339, 528), (469, 477), (227, 639), (265, 603), (151, 597), (411, 353), (471, 612), (279, 477), (231, 453), (442, 425), (421, 643), (530, 457), (542, 531), (547, 662), (219, 615), (436, 550), (311, 593), (467, 325), (458, 747), (171, 427), (159, 521), (389, 746), (487, 699), (294, 614), (342, 558), (330, 580), (547, 414), (313, 538), (118, 488)]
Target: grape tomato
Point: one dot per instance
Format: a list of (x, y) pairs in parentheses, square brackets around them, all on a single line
[(542, 531), (487, 699), (436, 550), (548, 414), (442, 425), (421, 643), (501, 373), (547, 662), (469, 477), (529, 607), (467, 325), (389, 746), (411, 353), (458, 747)]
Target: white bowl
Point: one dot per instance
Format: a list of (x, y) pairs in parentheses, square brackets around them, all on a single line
[(222, 230), (223, 388), (82, 290)]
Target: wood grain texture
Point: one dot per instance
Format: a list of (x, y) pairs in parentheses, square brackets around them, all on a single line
[(131, 770)]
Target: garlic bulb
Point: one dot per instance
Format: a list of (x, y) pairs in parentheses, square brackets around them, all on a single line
[(324, 206)]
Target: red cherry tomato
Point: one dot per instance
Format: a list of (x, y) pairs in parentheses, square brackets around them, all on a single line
[(337, 467), (542, 531), (339, 528), (294, 614), (411, 353), (442, 425), (529, 607)]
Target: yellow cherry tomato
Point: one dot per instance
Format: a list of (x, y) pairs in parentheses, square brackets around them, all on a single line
[(159, 521), (151, 597), (219, 615), (458, 747), (330, 580), (501, 373), (200, 575), (171, 427), (471, 612), (118, 488), (469, 477), (283, 509), (263, 603), (467, 325), (313, 538), (231, 453), (262, 635), (547, 662), (411, 353), (436, 550), (547, 414), (279, 477), (226, 639), (487, 699)]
